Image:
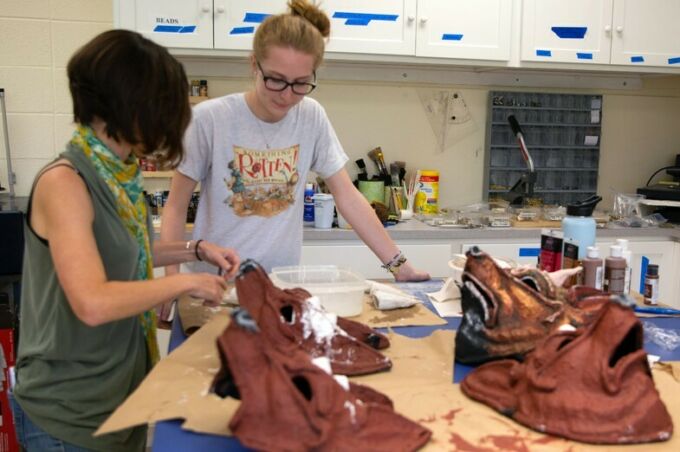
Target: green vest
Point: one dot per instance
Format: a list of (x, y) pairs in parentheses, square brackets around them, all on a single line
[(70, 376)]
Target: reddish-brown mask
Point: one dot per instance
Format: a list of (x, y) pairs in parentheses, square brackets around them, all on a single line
[(506, 315), (592, 385)]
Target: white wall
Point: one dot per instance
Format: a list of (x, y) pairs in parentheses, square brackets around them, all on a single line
[(640, 131)]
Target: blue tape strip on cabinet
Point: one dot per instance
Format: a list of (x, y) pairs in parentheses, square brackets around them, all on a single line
[(451, 37), (637, 59), (584, 56), (363, 19), (174, 28), (241, 30), (255, 18), (643, 271), (570, 32), (167, 28), (529, 252), (543, 53), (674, 60)]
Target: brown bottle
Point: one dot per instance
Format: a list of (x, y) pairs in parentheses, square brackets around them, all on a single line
[(593, 267), (615, 271)]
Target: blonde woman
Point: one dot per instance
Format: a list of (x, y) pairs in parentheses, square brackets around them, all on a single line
[(252, 153)]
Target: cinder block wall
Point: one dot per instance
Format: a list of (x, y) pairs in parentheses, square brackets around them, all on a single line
[(37, 37)]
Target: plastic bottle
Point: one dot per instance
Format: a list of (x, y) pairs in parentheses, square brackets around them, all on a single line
[(614, 271), (308, 214), (651, 295), (579, 224), (593, 268), (628, 256)]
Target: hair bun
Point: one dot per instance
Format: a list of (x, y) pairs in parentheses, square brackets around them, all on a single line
[(311, 13)]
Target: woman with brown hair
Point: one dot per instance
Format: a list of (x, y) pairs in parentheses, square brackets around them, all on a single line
[(252, 153), (87, 336)]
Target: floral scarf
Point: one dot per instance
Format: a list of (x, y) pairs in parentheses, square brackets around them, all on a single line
[(124, 179)]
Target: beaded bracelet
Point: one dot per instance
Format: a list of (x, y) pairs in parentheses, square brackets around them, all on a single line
[(393, 265), (196, 249)]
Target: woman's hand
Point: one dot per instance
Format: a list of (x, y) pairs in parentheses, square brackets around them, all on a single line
[(205, 286), (408, 273), (226, 259)]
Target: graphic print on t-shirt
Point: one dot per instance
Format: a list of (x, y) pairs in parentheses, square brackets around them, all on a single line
[(262, 182)]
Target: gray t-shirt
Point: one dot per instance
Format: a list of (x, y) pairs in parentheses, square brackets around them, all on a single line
[(253, 173)]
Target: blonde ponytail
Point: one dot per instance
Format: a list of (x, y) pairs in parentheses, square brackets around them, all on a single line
[(304, 28)]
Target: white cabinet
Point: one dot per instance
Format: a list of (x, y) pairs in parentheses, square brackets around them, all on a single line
[(236, 21), (378, 26), (646, 33), (186, 24), (522, 253), (625, 32), (463, 29), (431, 257)]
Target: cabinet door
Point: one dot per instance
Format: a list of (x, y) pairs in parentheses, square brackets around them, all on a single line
[(378, 26), (646, 33), (522, 253), (468, 29), (433, 258), (574, 31), (170, 23), (237, 20)]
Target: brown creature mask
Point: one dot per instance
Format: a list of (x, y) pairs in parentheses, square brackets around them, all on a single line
[(504, 316), (288, 403), (592, 385), (283, 317)]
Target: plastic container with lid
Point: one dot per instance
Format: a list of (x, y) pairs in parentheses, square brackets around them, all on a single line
[(340, 290), (579, 224)]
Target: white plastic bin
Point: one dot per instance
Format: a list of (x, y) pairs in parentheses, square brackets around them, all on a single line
[(339, 289)]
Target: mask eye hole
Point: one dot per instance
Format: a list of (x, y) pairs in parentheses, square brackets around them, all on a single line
[(630, 343), (287, 313), (303, 386), (529, 281)]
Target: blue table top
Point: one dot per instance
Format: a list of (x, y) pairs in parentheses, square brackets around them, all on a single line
[(169, 435)]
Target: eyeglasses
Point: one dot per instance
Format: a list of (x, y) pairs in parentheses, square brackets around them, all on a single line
[(277, 84)]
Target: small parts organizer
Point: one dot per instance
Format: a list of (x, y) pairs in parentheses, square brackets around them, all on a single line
[(562, 133)]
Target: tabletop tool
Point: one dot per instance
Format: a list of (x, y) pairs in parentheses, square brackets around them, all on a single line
[(523, 189)]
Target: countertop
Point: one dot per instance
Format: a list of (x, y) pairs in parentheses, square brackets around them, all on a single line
[(417, 230)]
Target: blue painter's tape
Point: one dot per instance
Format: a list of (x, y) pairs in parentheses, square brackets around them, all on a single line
[(543, 53), (643, 272), (451, 37), (167, 28), (363, 19), (188, 29), (584, 56), (637, 59), (529, 252), (359, 22), (241, 30), (255, 18), (674, 60), (570, 32)]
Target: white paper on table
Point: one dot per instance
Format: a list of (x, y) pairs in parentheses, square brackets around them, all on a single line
[(447, 300)]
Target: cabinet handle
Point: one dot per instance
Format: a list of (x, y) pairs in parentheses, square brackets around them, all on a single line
[(205, 8), (608, 29), (410, 19), (619, 29), (220, 10), (423, 20)]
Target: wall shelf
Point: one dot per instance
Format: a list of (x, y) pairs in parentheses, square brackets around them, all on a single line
[(562, 133)]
